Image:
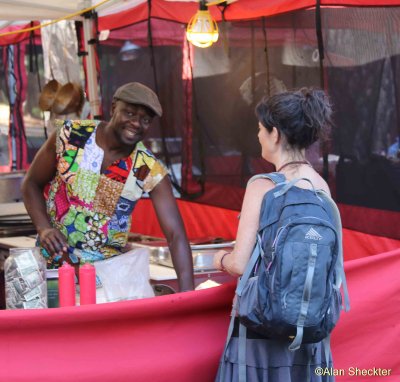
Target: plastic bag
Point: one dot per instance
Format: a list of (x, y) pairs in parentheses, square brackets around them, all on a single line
[(124, 277), (25, 279)]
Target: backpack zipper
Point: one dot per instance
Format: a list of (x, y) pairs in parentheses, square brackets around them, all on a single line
[(278, 234), (273, 246), (284, 300)]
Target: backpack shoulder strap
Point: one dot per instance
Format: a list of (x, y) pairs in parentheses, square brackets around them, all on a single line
[(275, 177), (242, 329), (339, 267), (289, 185), (257, 252)]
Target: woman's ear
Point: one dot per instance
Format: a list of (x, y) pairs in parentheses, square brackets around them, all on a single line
[(276, 136)]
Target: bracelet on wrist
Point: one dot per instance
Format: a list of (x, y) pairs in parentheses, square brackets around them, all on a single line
[(221, 261)]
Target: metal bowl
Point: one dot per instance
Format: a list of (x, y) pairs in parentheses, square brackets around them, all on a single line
[(203, 254)]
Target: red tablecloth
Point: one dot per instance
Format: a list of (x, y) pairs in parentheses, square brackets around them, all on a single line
[(180, 337)]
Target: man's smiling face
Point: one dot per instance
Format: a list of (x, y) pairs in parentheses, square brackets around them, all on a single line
[(130, 122)]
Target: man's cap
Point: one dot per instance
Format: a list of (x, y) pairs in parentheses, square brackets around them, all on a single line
[(139, 94)]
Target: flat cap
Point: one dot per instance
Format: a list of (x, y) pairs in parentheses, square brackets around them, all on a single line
[(139, 94)]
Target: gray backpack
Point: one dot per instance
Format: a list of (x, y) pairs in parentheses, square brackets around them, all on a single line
[(290, 289)]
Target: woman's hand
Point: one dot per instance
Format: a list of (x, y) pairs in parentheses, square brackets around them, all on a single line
[(53, 241)]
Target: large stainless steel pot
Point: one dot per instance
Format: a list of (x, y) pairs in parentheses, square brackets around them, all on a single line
[(202, 254)]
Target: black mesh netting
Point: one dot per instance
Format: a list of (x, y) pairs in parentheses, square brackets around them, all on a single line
[(208, 133)]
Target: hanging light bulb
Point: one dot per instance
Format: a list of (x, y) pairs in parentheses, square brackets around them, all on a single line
[(202, 30)]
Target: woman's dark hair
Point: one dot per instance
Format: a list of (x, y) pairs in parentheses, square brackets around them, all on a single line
[(302, 116)]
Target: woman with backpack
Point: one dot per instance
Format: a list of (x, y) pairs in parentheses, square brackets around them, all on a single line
[(289, 123)]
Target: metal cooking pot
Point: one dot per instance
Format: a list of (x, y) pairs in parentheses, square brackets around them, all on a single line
[(203, 254)]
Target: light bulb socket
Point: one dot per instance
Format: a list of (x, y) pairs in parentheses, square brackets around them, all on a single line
[(203, 5)]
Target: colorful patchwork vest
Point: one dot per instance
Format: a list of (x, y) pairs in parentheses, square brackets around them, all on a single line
[(93, 209)]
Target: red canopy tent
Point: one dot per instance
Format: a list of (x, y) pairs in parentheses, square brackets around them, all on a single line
[(182, 11), (119, 341)]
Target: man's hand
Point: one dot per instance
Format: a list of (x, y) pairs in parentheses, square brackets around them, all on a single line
[(53, 241), (128, 247)]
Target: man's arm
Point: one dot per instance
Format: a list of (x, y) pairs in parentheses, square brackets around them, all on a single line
[(40, 173), (172, 225)]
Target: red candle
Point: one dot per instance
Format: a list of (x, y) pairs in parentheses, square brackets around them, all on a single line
[(87, 283), (66, 285)]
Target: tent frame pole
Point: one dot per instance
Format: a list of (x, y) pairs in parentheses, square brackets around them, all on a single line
[(91, 70)]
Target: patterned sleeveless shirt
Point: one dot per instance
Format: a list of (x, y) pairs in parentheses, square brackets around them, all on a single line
[(93, 209)]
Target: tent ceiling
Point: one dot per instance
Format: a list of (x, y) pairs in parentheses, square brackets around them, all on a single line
[(119, 13), (48, 9)]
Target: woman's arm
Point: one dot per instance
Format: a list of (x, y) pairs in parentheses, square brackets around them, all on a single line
[(235, 262)]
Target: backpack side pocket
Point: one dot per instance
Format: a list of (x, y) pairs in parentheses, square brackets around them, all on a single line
[(249, 309), (333, 312)]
